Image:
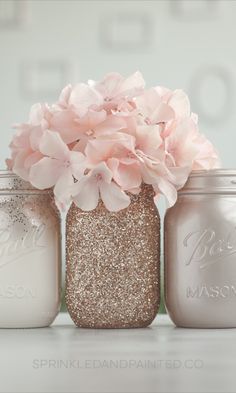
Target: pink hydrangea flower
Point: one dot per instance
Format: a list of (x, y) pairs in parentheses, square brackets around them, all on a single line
[(118, 92), (98, 183), (25, 143), (118, 151), (59, 167), (104, 139)]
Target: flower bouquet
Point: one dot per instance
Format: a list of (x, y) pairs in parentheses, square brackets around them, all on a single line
[(105, 139), (112, 148)]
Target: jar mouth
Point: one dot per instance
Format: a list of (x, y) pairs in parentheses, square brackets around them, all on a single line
[(213, 172), (7, 172), (12, 183), (213, 181)]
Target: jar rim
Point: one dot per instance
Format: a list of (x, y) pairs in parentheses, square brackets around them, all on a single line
[(213, 172), (7, 172), (10, 182), (213, 181)]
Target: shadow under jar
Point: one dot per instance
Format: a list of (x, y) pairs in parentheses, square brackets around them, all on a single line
[(112, 274), (30, 255), (200, 252)]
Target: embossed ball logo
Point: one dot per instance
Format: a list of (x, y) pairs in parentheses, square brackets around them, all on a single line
[(12, 246), (4, 227), (207, 247)]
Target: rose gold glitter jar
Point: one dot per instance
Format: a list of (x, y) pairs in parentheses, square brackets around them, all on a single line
[(30, 255), (200, 252), (112, 275)]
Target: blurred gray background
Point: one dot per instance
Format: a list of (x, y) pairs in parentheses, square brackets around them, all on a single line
[(189, 44)]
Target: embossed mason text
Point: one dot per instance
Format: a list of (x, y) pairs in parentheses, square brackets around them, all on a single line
[(213, 291)]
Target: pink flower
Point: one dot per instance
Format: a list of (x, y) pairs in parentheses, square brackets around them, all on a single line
[(118, 151), (83, 97), (180, 145), (64, 121), (185, 146), (25, 143), (40, 116), (207, 156), (118, 92), (59, 167), (152, 160), (153, 109), (165, 181), (64, 97), (96, 124), (103, 138), (148, 142), (176, 99), (73, 107), (98, 182)]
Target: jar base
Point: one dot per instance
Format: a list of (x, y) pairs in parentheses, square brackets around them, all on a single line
[(28, 324), (191, 324), (135, 324), (120, 327), (207, 326)]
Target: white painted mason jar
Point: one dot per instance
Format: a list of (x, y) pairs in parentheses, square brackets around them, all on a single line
[(200, 252), (30, 255)]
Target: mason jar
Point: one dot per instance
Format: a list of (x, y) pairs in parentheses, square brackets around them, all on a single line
[(112, 271), (200, 252), (30, 254)]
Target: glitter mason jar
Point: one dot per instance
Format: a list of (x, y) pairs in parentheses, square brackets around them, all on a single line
[(200, 252), (112, 275), (30, 255)]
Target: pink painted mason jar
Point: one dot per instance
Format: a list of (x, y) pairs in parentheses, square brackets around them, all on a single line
[(200, 252)]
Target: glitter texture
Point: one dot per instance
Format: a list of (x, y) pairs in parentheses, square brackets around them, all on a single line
[(112, 275)]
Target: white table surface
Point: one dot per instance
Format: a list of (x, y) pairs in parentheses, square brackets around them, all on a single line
[(161, 358)]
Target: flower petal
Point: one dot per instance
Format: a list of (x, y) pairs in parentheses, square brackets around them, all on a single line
[(21, 139), (36, 115), (114, 145), (133, 84), (110, 85), (113, 197), (64, 96), (162, 114), (19, 164), (181, 144), (9, 163), (64, 122), (127, 176), (63, 188), (180, 103), (167, 189), (77, 164), (45, 173), (86, 193), (102, 170), (83, 97), (207, 156), (149, 141), (35, 137), (179, 175), (91, 120), (32, 159), (53, 146), (110, 125), (148, 102)]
